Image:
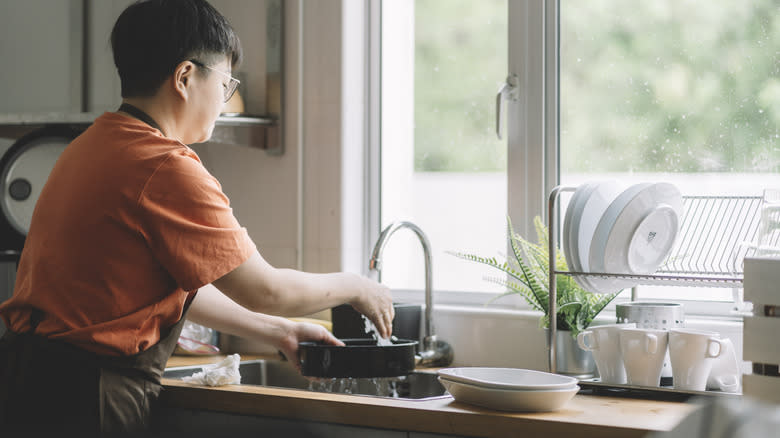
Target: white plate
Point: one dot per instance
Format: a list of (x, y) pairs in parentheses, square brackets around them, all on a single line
[(569, 232), (585, 218), (596, 254), (643, 234), (635, 234), (510, 400), (507, 378)]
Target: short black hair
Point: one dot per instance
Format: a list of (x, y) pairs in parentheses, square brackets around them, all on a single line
[(151, 37)]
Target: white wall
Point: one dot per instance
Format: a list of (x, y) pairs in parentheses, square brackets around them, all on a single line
[(263, 188), (293, 204)]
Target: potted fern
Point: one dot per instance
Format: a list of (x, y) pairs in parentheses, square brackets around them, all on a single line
[(527, 274)]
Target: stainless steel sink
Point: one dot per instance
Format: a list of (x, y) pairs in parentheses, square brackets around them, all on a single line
[(415, 386)]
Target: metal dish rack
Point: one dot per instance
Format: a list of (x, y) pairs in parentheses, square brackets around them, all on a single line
[(708, 251)]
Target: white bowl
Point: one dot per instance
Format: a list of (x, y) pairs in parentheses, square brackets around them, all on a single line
[(510, 400), (507, 378), (635, 234), (585, 218)]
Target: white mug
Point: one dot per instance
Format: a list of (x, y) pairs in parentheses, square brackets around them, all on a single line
[(643, 352), (604, 342), (693, 353), (725, 374)]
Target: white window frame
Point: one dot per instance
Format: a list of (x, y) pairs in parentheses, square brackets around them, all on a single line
[(532, 126)]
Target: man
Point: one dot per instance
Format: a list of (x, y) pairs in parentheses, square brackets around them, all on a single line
[(129, 233)]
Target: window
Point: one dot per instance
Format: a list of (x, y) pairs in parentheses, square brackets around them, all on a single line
[(443, 168), (667, 90), (673, 91)]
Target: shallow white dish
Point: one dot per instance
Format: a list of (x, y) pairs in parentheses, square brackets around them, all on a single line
[(507, 378), (585, 219), (510, 400)]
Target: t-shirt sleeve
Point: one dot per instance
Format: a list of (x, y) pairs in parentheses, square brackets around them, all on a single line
[(189, 225)]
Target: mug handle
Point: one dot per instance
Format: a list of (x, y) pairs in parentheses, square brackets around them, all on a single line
[(587, 341), (728, 383), (710, 343), (651, 343)]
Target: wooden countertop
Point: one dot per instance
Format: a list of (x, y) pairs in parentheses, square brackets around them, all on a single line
[(583, 416)]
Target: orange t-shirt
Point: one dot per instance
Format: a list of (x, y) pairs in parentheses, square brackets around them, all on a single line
[(128, 225)]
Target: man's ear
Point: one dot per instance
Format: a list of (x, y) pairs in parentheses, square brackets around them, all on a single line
[(182, 77)]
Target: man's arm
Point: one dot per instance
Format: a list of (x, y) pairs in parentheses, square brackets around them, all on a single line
[(259, 287), (213, 309)]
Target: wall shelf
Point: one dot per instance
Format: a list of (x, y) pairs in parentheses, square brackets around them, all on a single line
[(245, 130)]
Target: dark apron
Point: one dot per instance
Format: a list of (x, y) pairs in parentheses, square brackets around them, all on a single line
[(51, 386)]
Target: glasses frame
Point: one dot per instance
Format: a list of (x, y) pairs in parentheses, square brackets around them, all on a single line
[(232, 84)]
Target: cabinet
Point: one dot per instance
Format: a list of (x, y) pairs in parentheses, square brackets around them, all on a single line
[(41, 45), (207, 423), (58, 66)]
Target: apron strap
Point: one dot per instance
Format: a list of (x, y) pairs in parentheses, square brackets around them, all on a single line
[(139, 114)]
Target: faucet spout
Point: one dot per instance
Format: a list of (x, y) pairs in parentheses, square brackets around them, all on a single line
[(434, 352)]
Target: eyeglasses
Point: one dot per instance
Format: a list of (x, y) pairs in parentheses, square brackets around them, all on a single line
[(232, 84)]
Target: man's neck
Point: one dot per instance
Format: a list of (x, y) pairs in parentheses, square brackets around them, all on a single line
[(156, 111)]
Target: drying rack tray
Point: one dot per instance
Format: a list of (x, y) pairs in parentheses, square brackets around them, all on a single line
[(654, 392), (715, 236)]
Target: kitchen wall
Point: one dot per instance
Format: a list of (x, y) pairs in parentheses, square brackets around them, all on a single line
[(297, 205), (292, 205)]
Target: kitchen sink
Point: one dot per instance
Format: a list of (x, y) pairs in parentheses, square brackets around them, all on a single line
[(417, 385)]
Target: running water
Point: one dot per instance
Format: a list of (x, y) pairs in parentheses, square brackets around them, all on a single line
[(374, 386), (372, 330)]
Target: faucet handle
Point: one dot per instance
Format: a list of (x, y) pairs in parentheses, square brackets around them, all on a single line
[(435, 353)]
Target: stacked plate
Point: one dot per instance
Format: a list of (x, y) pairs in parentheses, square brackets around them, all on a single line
[(509, 389), (618, 229)]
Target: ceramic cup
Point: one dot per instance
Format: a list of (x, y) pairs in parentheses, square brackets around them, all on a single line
[(643, 352), (693, 353), (604, 342), (725, 374)]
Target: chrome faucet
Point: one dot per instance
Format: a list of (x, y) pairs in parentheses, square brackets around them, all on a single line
[(434, 352)]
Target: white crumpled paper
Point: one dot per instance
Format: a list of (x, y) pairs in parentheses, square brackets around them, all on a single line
[(224, 372)]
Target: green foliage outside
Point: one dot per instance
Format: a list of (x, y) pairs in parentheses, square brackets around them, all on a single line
[(666, 85), (460, 61), (527, 272)]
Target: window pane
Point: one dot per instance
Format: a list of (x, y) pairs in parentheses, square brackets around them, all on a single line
[(443, 167), (679, 91)]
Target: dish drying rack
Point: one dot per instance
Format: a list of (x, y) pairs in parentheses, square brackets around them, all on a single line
[(708, 251)]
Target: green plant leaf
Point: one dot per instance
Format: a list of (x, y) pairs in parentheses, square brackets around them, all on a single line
[(528, 274)]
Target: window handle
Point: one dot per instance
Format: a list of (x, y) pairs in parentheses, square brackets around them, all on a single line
[(508, 91)]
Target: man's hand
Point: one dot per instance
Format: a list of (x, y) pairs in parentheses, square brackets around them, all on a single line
[(376, 302), (302, 332)]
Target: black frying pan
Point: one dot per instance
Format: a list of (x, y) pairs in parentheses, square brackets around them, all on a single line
[(359, 358)]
